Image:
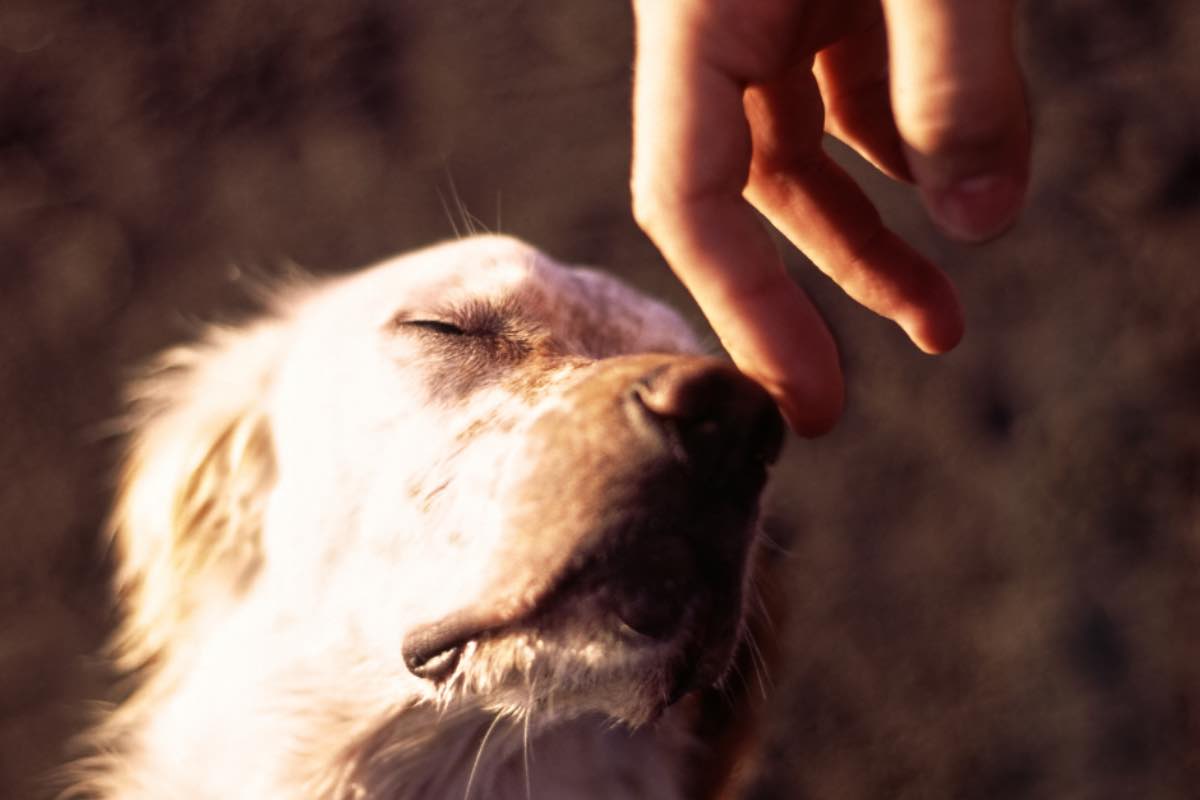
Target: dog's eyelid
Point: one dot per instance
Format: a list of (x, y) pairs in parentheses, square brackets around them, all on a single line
[(471, 319), (438, 326)]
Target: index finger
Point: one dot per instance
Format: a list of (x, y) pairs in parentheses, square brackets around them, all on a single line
[(691, 162)]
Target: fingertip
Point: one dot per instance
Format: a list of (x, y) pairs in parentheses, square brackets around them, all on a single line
[(938, 328), (808, 425), (807, 384), (940, 339), (814, 411)]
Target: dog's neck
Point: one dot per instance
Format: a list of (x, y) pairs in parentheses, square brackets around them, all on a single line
[(196, 739)]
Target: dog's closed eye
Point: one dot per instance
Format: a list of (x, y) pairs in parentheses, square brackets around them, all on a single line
[(473, 318), (440, 327), (477, 341)]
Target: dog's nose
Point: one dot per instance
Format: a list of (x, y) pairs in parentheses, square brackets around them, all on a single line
[(714, 418)]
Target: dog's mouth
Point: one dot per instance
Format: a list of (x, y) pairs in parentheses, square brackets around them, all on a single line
[(649, 599), (650, 602), (685, 633)]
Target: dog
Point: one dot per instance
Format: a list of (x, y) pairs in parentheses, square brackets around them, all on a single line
[(467, 524)]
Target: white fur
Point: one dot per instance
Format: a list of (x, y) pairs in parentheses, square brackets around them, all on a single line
[(298, 494)]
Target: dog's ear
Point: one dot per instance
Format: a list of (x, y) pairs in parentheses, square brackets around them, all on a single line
[(200, 464)]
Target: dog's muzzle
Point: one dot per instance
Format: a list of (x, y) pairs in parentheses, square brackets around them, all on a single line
[(636, 500)]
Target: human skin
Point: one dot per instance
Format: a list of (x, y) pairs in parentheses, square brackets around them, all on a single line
[(731, 101)]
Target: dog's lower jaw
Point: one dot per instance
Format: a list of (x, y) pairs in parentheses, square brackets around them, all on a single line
[(478, 754)]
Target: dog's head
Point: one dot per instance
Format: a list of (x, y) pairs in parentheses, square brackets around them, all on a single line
[(469, 475)]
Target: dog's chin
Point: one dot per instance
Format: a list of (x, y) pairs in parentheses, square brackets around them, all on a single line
[(563, 665), (591, 645)]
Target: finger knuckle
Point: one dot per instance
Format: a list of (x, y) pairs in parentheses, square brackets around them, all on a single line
[(959, 125), (650, 207)]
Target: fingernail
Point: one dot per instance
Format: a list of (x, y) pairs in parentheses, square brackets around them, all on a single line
[(978, 208)]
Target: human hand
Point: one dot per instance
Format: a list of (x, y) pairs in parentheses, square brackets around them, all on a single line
[(731, 98)]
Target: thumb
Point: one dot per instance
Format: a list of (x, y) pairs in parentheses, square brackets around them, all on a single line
[(960, 108)]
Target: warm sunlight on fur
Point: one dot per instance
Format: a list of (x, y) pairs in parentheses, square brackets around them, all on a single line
[(429, 531)]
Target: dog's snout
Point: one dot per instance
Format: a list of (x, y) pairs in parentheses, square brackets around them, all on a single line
[(711, 414)]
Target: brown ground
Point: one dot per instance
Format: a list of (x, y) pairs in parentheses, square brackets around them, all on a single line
[(996, 569)]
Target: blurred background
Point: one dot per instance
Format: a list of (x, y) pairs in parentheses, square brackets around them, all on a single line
[(994, 575)]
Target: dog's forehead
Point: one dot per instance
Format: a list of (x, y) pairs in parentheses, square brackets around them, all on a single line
[(478, 267), (506, 271)]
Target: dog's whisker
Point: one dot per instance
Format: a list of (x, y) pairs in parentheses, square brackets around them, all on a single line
[(773, 544), (479, 754), (472, 224), (726, 692), (469, 220), (478, 226), (760, 663), (525, 743), (764, 612), (449, 216)]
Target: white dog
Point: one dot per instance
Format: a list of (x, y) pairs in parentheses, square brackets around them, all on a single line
[(426, 532)]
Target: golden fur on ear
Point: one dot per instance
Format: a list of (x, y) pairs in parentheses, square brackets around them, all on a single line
[(199, 466)]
